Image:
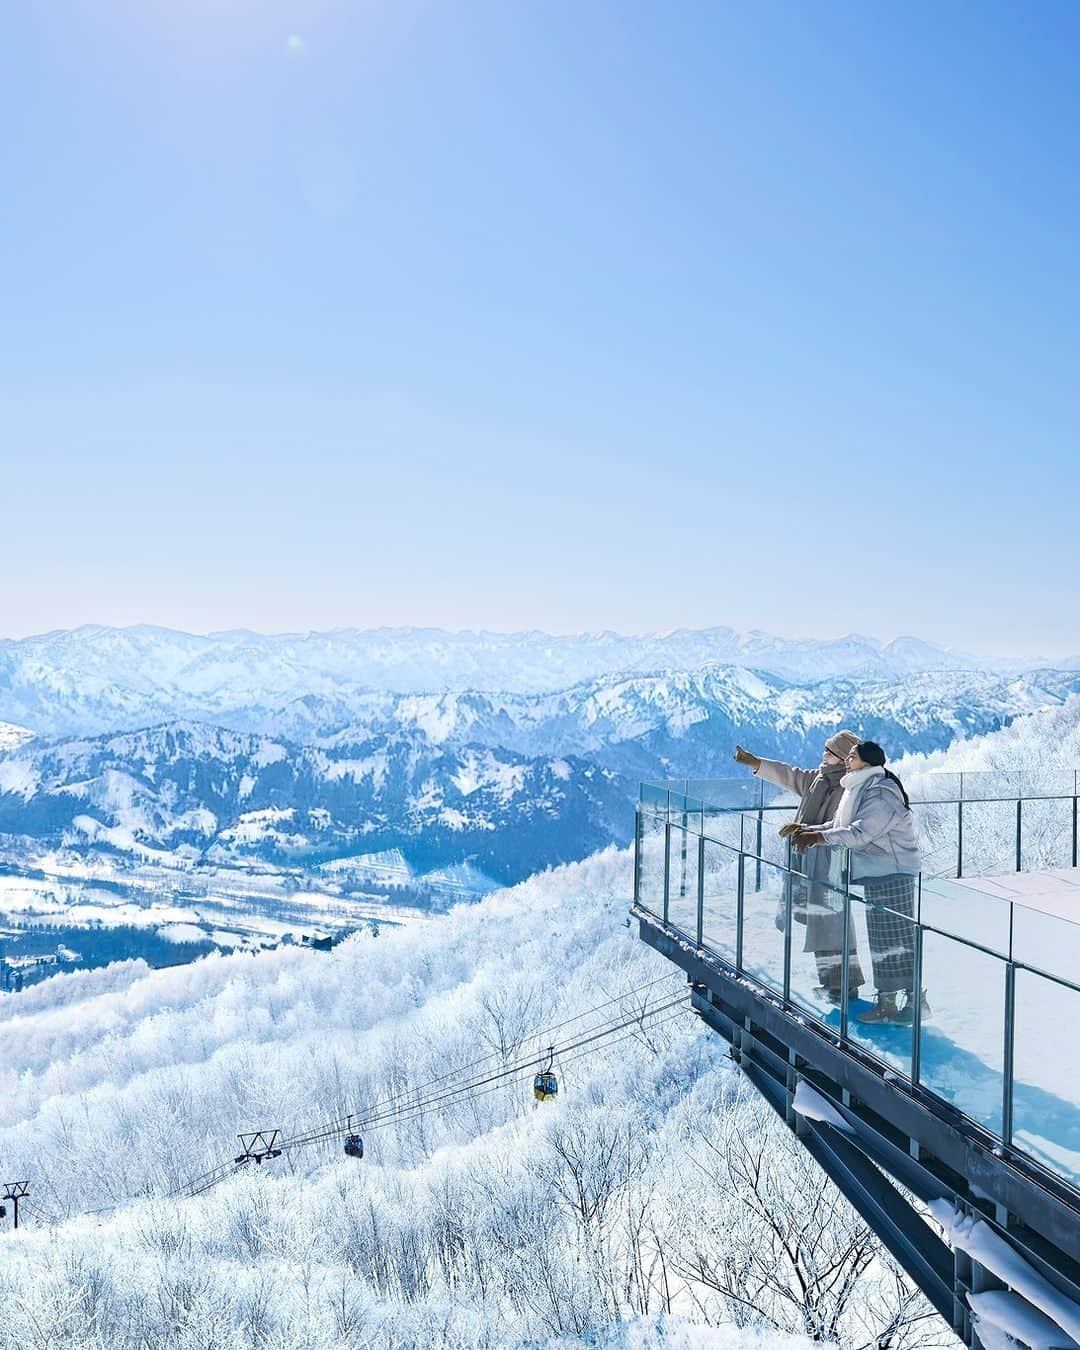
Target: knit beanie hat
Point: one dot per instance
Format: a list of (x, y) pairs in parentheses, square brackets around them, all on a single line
[(871, 753), (842, 744)]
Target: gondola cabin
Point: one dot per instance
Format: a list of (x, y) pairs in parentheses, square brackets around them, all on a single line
[(545, 1086), (354, 1146)]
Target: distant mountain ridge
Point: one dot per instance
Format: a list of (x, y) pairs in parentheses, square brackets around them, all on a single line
[(95, 679), (504, 783), (201, 792)]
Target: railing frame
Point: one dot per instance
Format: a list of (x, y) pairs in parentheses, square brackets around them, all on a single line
[(1010, 964)]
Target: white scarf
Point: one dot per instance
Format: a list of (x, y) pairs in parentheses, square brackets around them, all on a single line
[(853, 784)]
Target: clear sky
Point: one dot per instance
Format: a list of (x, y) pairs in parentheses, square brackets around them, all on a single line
[(576, 315)]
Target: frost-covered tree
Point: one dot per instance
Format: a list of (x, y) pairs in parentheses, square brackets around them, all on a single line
[(653, 1194)]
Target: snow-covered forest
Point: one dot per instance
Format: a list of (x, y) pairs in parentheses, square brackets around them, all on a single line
[(655, 1200), (654, 1195)]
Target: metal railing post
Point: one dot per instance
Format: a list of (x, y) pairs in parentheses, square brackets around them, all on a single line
[(739, 910), (682, 852), (1075, 822), (667, 866), (916, 992), (638, 832), (1019, 834), (788, 888), (1009, 1048), (960, 838), (845, 970), (757, 849), (1009, 1053), (701, 888)]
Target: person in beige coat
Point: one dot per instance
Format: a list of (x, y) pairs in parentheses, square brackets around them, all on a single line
[(813, 903)]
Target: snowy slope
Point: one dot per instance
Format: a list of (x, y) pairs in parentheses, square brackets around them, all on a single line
[(1046, 742), (502, 783), (204, 792), (488, 1222), (11, 737), (94, 679)]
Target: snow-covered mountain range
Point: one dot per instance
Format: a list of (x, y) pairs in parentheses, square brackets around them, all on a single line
[(288, 750), (205, 793), (95, 679)]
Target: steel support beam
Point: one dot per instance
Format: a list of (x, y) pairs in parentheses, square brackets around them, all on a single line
[(925, 1145)]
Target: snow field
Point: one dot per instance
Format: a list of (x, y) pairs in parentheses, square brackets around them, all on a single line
[(490, 1222)]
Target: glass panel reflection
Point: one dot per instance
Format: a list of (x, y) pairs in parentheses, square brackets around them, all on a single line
[(961, 1045), (1046, 1092), (720, 903), (763, 924), (682, 881), (651, 863)]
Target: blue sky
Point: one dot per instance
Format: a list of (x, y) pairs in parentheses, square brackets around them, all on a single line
[(559, 315)]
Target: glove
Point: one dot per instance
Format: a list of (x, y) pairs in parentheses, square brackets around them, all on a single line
[(807, 839), (745, 757), (792, 827)]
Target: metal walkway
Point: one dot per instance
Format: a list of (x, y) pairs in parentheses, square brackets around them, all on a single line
[(957, 1138)]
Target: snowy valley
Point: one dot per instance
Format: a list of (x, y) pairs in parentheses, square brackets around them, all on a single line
[(286, 789), (382, 921), (653, 1199)]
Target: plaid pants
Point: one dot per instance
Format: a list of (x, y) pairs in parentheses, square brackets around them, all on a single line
[(892, 937)]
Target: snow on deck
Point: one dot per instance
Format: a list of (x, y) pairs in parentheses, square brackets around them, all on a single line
[(962, 1042), (1054, 892)]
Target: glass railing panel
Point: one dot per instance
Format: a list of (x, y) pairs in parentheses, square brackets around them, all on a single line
[(1046, 839), (885, 940), (961, 1043), (651, 831), (1046, 1076), (760, 835), (992, 784), (686, 813), (654, 797), (727, 794), (932, 787), (817, 947), (967, 913), (763, 923), (723, 826), (720, 907), (989, 837), (937, 827), (683, 881), (1047, 941), (1047, 782), (678, 803)]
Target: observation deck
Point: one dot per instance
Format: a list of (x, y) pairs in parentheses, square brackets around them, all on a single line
[(957, 1136)]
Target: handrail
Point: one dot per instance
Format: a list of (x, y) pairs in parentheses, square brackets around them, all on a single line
[(686, 837), (997, 954), (681, 807)]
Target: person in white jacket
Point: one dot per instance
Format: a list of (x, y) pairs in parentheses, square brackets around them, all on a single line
[(814, 902), (874, 821)]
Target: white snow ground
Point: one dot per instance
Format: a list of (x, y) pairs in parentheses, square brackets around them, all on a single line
[(491, 1222)]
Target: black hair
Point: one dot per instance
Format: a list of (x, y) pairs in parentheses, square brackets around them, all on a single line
[(871, 753)]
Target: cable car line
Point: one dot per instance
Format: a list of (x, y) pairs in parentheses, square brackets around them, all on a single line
[(498, 1087), (522, 1063), (334, 1127), (403, 1108)]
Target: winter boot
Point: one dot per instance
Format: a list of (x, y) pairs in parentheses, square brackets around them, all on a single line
[(834, 995), (907, 1012), (884, 1011)]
